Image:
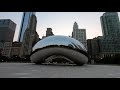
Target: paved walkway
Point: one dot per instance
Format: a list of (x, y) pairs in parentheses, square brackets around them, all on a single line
[(31, 70)]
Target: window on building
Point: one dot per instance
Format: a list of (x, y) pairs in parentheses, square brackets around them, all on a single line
[(1, 22)]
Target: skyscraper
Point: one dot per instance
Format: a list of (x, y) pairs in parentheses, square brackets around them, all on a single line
[(79, 34), (25, 24), (110, 23), (7, 30), (107, 45), (30, 37)]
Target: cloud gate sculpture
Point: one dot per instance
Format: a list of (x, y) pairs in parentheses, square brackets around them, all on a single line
[(59, 47)]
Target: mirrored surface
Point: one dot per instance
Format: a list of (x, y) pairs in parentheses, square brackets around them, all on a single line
[(59, 40)]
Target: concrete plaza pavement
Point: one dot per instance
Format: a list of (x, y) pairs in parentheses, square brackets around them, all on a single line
[(31, 70)]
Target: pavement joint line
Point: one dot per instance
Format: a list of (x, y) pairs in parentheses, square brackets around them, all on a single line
[(23, 77), (21, 73), (113, 73), (35, 70)]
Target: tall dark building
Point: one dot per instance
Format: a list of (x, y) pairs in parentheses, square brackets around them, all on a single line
[(110, 43), (107, 45), (7, 30), (25, 24), (30, 37), (93, 47), (110, 23)]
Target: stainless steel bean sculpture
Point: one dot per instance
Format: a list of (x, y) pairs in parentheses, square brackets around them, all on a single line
[(59, 47)]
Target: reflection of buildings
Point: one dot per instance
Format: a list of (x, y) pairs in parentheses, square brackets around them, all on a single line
[(25, 24), (79, 34), (62, 48), (7, 30), (48, 33), (30, 37), (108, 44)]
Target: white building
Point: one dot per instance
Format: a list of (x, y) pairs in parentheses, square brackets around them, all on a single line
[(79, 34)]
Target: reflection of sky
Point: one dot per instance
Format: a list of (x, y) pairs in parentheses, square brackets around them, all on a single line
[(60, 22), (59, 40)]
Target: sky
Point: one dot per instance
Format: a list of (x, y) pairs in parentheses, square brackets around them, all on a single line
[(60, 22)]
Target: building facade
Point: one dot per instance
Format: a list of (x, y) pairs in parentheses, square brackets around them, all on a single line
[(94, 47), (25, 24), (110, 23), (5, 48), (49, 32), (15, 49), (7, 30), (36, 38), (101, 46), (109, 46), (10, 49), (30, 37), (79, 34)]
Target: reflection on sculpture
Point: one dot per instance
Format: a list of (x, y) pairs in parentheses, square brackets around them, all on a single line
[(56, 47)]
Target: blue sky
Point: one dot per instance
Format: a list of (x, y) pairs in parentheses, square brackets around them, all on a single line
[(60, 22)]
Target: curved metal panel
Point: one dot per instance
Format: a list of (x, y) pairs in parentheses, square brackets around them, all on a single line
[(59, 40), (59, 45)]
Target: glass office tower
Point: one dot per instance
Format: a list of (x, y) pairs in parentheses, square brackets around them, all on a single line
[(110, 23), (25, 24)]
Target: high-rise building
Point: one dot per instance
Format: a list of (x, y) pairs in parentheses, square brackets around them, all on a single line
[(7, 30), (110, 43), (25, 24), (101, 47), (93, 47), (79, 34), (30, 37), (107, 45), (110, 23), (48, 33)]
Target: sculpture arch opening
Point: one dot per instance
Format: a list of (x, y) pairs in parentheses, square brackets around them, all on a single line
[(58, 59)]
